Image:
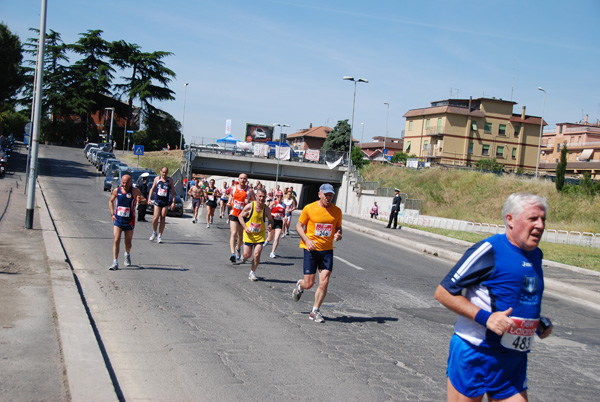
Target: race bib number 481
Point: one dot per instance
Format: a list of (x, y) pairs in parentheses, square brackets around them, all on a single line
[(323, 229), (519, 338)]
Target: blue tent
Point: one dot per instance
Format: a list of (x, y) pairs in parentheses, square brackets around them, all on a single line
[(275, 144), (229, 140)]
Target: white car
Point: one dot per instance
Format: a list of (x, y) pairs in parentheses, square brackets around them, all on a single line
[(260, 133)]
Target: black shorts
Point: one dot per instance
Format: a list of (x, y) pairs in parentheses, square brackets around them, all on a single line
[(314, 260), (277, 224), (161, 203), (233, 218), (212, 204)]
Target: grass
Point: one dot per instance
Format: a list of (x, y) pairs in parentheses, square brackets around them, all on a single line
[(155, 160)]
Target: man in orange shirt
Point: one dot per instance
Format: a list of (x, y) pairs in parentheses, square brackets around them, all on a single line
[(319, 225), (241, 194)]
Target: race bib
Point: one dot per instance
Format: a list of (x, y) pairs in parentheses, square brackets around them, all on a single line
[(323, 229), (238, 204), (211, 197), (123, 212), (278, 216), (161, 192), (255, 227), (519, 338)]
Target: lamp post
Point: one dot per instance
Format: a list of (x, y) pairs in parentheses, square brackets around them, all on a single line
[(537, 164), (112, 115), (362, 135), (351, 130), (386, 124), (183, 117), (277, 154)]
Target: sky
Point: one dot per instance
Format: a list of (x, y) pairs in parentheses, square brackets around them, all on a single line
[(282, 61)]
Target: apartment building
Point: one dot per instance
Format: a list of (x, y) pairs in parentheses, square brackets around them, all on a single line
[(583, 148), (464, 131)]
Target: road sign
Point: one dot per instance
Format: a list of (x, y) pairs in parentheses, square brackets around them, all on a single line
[(138, 150), (129, 131), (385, 151)]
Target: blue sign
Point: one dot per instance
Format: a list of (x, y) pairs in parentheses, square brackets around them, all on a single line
[(138, 150), (389, 158), (385, 151), (129, 131)]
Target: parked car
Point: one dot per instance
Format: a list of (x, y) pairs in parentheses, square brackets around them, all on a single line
[(110, 165), (177, 212), (101, 157), (135, 173), (92, 153)]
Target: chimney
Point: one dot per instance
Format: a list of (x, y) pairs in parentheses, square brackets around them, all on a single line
[(523, 113), (586, 119), (310, 125)]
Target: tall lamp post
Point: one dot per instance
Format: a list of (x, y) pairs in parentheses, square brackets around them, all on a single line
[(183, 117), (362, 135), (277, 154), (387, 119), (351, 130), (537, 164), (112, 115)]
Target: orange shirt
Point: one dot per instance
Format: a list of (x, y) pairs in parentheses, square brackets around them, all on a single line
[(320, 224), (238, 201)]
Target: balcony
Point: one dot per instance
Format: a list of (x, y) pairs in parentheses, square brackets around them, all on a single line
[(434, 132)]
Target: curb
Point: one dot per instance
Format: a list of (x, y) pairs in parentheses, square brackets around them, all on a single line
[(573, 292), (87, 375)]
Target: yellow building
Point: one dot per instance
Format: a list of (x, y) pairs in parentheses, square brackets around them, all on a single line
[(464, 131)]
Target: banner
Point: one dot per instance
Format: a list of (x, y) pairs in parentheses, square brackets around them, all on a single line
[(334, 164), (312, 154), (282, 153), (261, 150), (227, 126), (258, 133)]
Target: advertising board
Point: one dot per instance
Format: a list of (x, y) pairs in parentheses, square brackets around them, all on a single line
[(258, 133)]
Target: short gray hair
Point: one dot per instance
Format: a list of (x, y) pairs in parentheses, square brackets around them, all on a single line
[(516, 202), (261, 190)]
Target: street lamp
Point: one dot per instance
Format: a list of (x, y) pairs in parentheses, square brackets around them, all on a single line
[(386, 123), (183, 118), (112, 115), (362, 136), (537, 164), (351, 130), (277, 154)]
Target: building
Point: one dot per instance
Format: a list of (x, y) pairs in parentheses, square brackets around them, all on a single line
[(583, 149), (374, 150), (309, 138), (464, 131)]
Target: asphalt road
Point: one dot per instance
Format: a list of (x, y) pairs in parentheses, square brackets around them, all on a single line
[(186, 324)]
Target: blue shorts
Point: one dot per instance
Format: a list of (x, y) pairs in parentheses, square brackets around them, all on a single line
[(123, 226), (475, 371), (314, 260), (161, 203)]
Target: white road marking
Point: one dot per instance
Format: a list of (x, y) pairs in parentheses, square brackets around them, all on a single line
[(349, 263)]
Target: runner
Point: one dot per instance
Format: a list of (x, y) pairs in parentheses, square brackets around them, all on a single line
[(224, 198), (196, 193), (320, 224), (277, 211), (240, 195), (211, 194), (252, 219), (503, 283), (164, 190), (290, 205), (122, 205)]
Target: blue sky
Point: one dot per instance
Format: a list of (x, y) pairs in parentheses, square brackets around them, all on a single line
[(283, 61)]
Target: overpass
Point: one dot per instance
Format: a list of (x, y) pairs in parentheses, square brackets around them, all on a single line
[(227, 163)]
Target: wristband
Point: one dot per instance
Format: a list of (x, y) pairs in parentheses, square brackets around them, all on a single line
[(482, 317)]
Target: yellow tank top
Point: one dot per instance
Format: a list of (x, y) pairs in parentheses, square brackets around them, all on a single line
[(256, 223)]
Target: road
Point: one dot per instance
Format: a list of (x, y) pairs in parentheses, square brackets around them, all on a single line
[(185, 324)]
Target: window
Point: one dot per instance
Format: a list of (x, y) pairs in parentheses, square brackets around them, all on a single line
[(425, 145), (474, 125), (410, 123), (427, 123), (485, 150), (407, 146), (502, 129), (499, 152), (517, 130), (488, 128), (470, 147), (439, 126), (514, 153)]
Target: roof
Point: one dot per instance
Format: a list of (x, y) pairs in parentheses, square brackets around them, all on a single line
[(516, 118), (316, 132), (379, 145), (443, 110)]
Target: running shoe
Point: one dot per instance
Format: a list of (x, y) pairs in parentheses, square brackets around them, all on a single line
[(159, 239), (153, 236), (252, 276), (208, 225), (287, 233), (239, 255), (296, 294), (282, 235), (232, 258), (316, 316), (272, 255), (114, 266), (127, 260), (211, 220)]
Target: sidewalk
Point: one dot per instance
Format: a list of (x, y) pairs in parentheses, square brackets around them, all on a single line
[(48, 349), (578, 284)]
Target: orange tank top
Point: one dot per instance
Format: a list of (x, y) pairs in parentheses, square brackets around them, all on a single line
[(239, 200)]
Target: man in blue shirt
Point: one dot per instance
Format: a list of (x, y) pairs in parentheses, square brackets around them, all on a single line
[(496, 289)]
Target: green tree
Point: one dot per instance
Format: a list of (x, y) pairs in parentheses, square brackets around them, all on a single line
[(148, 77), (561, 168), (11, 76), (358, 158), (490, 165), (161, 128), (401, 157), (339, 138)]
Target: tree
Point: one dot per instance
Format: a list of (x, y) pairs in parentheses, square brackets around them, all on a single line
[(161, 128), (358, 157), (561, 168), (339, 138), (11, 77), (400, 157), (490, 165)]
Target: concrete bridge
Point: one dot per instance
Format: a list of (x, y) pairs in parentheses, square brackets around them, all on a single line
[(228, 163)]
